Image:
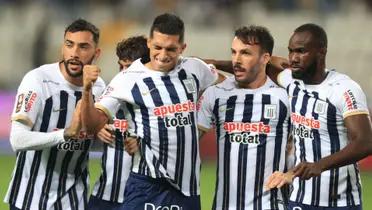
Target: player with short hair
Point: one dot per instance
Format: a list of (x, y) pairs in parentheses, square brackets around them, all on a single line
[(251, 116), (331, 127), (52, 153), (160, 99), (108, 192)]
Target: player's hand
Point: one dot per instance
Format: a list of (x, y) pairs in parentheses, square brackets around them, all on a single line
[(75, 126), (131, 145), (106, 134), (306, 170), (90, 75), (279, 179)]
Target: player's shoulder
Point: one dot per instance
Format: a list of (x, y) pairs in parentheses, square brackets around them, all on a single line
[(340, 81), (42, 73), (135, 70), (191, 63)]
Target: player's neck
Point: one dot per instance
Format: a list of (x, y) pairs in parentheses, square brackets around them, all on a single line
[(319, 76), (257, 83)]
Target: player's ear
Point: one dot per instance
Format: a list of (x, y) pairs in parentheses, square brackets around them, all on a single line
[(96, 55), (265, 58), (183, 47)]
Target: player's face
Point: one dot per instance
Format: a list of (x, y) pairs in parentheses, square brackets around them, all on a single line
[(124, 64), (164, 51), (303, 55), (78, 50), (247, 60)]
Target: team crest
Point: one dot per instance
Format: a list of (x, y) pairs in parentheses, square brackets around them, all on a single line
[(320, 107), (270, 111), (190, 85)]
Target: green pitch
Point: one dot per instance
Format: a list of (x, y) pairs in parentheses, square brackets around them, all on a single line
[(207, 182)]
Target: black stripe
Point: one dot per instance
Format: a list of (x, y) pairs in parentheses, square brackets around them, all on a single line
[(162, 129), (53, 152), (349, 191), (180, 132), (63, 109), (243, 154), (260, 161), (358, 184), (37, 155), (118, 161), (21, 157), (31, 181), (63, 177), (229, 117), (316, 181), (335, 147), (194, 133), (103, 177), (146, 140), (301, 188), (218, 135), (282, 116)]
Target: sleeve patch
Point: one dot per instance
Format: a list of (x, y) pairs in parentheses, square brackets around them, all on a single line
[(350, 100)]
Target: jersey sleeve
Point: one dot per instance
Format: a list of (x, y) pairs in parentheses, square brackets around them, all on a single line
[(353, 100), (207, 74), (111, 98), (285, 78), (205, 113), (28, 100)]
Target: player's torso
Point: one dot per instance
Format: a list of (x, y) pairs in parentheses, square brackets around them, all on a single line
[(252, 131)]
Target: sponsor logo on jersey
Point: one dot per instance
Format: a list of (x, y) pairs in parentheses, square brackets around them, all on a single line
[(50, 81), (270, 111), (107, 92), (302, 132), (165, 110), (71, 145), (245, 138), (121, 125), (257, 127), (309, 122), (19, 102), (150, 206), (350, 100), (29, 100), (190, 85)]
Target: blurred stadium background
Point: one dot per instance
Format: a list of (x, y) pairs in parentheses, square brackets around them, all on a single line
[(32, 32)]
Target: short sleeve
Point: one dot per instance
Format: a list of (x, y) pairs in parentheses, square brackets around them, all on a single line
[(205, 112), (110, 100), (28, 100), (353, 100), (285, 78)]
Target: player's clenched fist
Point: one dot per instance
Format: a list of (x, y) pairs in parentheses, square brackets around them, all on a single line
[(90, 75)]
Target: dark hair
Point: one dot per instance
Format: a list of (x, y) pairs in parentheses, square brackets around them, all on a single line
[(317, 32), (168, 24), (133, 48), (256, 35), (83, 25)]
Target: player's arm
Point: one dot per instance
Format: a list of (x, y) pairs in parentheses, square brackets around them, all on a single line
[(93, 119), (353, 104), (23, 138), (276, 65), (359, 147)]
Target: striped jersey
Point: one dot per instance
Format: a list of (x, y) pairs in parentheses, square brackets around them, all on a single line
[(161, 110), (252, 128), (115, 165), (56, 177), (317, 116)]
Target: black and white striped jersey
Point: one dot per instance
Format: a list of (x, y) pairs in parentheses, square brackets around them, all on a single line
[(115, 165), (57, 177), (161, 110), (317, 116), (252, 128)]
